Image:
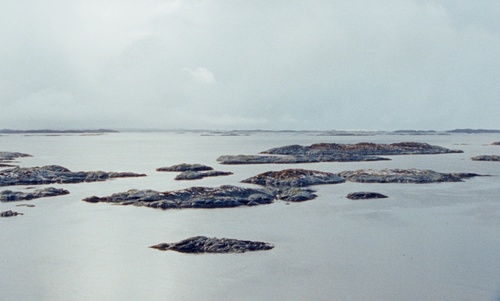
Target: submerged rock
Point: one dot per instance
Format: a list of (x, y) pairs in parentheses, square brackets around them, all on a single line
[(203, 244), (11, 196), (403, 176), (333, 152), (185, 167), (364, 195), (51, 174), (9, 213), (194, 197), (486, 158)]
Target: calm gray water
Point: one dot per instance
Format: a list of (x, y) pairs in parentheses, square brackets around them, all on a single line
[(425, 242)]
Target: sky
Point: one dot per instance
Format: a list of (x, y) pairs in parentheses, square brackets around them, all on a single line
[(234, 64)]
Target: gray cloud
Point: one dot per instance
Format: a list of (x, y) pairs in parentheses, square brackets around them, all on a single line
[(368, 64)]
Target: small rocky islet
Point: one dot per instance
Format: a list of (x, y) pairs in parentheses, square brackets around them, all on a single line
[(416, 176), (7, 158), (486, 158), (52, 174), (203, 244), (9, 213), (365, 195), (334, 152), (13, 196), (193, 171)]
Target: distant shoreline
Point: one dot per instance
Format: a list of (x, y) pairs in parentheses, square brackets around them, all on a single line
[(210, 132)]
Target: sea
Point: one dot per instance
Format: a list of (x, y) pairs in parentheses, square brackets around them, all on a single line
[(437, 241)]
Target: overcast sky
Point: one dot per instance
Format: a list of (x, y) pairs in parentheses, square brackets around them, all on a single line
[(318, 65)]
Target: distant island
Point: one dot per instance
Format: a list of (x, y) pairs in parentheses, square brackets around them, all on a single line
[(474, 131), (45, 131)]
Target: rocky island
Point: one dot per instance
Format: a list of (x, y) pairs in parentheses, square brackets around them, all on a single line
[(333, 152), (365, 195), (195, 197), (486, 158), (288, 184), (7, 157), (193, 171), (203, 244), (419, 176), (10, 213), (51, 174), (12, 196)]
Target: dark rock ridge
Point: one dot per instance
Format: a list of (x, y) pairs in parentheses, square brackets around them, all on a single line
[(194, 197), (403, 176), (185, 167), (333, 152), (486, 158), (11, 196), (364, 195), (195, 175), (51, 174), (9, 213), (287, 183), (203, 244)]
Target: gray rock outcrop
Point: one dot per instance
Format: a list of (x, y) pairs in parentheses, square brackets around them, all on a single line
[(294, 178), (203, 244), (195, 197), (7, 157), (403, 176), (486, 158), (288, 184), (196, 175), (333, 152), (9, 213), (194, 171), (185, 167), (12, 196), (51, 174), (365, 195)]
